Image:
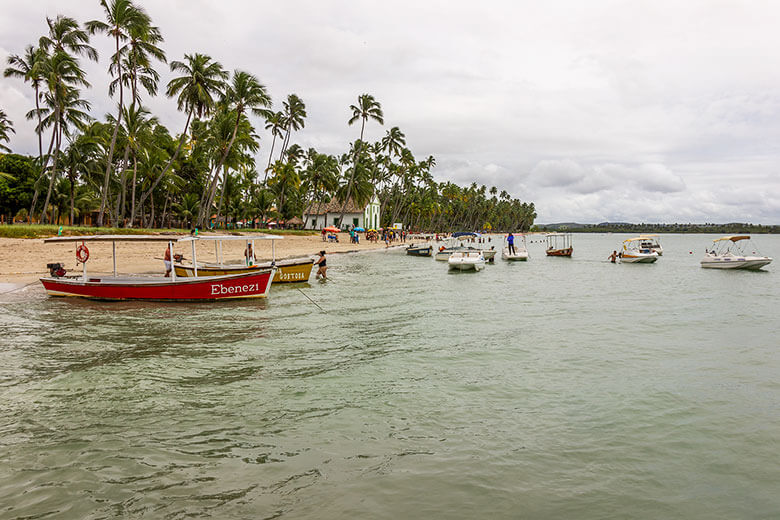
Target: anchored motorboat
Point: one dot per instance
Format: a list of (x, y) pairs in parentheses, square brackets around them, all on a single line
[(254, 284), (520, 252), (730, 253), (634, 253), (652, 242), (419, 250), (466, 261)]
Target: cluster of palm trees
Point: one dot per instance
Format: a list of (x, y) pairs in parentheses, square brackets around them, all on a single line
[(132, 171)]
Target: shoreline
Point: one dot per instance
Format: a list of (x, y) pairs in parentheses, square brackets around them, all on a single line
[(20, 258)]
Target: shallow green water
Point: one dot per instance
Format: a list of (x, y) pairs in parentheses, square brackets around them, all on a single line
[(556, 388)]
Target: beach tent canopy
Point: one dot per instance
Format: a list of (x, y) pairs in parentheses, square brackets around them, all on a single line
[(359, 229), (464, 234), (332, 229)]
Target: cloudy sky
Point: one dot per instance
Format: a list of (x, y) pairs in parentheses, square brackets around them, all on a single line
[(645, 111)]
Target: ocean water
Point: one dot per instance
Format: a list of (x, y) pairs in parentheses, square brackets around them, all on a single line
[(555, 388)]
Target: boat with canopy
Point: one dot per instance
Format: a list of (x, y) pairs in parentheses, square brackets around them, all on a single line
[(730, 252), (253, 284), (634, 253), (453, 244), (559, 244), (652, 242), (290, 270)]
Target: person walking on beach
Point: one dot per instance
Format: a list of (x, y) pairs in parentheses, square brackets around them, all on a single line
[(510, 240), (323, 266), (323, 234)]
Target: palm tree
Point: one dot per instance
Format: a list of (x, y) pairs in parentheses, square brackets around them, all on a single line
[(294, 116), (6, 128), (65, 35), (366, 108), (274, 121), (29, 67), (122, 17), (245, 92), (200, 81)]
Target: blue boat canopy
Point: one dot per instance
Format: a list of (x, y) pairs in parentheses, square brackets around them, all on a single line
[(464, 234)]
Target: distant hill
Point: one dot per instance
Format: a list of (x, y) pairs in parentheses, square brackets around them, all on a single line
[(628, 227)]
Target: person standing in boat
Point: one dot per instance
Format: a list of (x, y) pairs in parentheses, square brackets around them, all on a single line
[(323, 266), (249, 255), (510, 240)]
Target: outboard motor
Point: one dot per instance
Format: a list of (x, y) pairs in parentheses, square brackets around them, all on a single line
[(56, 270)]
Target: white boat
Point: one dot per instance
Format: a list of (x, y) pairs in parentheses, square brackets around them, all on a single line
[(520, 250), (634, 253), (729, 253), (652, 242), (466, 261)]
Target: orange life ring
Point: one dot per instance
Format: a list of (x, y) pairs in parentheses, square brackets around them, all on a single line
[(82, 253)]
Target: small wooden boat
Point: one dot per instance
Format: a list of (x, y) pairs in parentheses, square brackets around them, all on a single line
[(559, 244), (466, 261), (730, 253), (419, 250), (144, 287), (287, 271)]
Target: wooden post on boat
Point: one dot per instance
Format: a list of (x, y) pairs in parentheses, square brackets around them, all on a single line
[(113, 247), (194, 260)]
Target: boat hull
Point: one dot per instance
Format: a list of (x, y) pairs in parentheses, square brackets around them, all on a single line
[(560, 252), (419, 251), (287, 271), (243, 285), (518, 256), (466, 262), (749, 263), (638, 258)]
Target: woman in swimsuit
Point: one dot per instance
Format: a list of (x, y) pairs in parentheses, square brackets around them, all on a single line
[(323, 265)]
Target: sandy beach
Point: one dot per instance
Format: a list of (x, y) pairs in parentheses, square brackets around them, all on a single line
[(24, 260)]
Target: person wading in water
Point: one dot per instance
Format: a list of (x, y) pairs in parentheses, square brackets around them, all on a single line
[(323, 266)]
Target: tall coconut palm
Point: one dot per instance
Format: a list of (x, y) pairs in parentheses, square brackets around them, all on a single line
[(66, 35), (367, 108), (274, 121), (6, 128), (294, 117), (29, 67), (122, 16), (201, 81), (244, 93)]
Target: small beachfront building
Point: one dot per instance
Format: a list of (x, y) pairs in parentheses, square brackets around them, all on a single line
[(318, 216)]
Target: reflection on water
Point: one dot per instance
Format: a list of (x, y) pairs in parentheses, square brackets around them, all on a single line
[(553, 388)]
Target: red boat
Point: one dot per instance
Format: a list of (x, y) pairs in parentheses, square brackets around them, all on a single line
[(253, 284)]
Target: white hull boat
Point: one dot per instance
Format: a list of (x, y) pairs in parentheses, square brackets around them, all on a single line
[(519, 255), (652, 243), (635, 252), (466, 261), (729, 253)]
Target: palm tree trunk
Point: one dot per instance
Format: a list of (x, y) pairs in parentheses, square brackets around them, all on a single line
[(222, 193), (273, 142), (104, 197), (39, 131), (213, 189), (132, 204), (170, 162), (352, 175), (121, 197), (54, 165), (72, 193), (40, 176)]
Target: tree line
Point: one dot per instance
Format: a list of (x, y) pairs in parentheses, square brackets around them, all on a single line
[(130, 170)]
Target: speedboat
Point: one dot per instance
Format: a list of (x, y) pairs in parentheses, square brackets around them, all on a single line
[(634, 253), (489, 254), (466, 261), (254, 284), (559, 244), (729, 253), (652, 242), (419, 250), (520, 250)]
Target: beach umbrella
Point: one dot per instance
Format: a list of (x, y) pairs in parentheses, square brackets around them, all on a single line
[(372, 229), (332, 229), (359, 229)]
